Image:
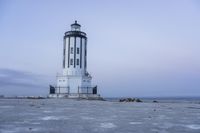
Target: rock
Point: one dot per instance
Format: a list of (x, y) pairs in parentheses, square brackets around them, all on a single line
[(121, 100), (138, 100), (35, 97), (155, 101), (129, 100)]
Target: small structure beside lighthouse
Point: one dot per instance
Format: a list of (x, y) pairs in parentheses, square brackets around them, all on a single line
[(75, 81)]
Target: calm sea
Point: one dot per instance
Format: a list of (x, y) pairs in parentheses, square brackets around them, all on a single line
[(162, 99)]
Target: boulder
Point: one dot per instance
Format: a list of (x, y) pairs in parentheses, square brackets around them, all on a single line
[(138, 100), (130, 100), (155, 101)]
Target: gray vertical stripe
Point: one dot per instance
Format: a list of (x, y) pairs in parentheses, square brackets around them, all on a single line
[(85, 53), (68, 50), (80, 52), (74, 52), (64, 49)]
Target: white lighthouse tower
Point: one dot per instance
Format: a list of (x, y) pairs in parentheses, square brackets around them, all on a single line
[(74, 81)]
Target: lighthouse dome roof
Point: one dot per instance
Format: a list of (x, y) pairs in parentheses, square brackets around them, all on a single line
[(75, 24)]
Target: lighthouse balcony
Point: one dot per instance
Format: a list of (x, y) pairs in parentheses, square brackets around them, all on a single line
[(64, 92), (82, 93), (75, 33)]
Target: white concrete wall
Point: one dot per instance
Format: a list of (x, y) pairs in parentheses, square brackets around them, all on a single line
[(61, 82), (73, 82), (86, 82)]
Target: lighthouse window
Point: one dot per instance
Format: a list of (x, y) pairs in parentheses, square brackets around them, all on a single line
[(71, 61), (72, 50), (77, 50), (77, 62)]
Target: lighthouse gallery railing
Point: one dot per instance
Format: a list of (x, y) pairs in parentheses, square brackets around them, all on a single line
[(80, 90)]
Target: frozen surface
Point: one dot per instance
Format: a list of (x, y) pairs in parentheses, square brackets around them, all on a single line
[(72, 116)]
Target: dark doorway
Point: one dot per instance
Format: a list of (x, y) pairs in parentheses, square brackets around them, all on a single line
[(52, 90), (94, 91)]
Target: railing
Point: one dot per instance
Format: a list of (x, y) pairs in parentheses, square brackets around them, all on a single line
[(75, 32), (59, 88), (81, 90), (86, 90)]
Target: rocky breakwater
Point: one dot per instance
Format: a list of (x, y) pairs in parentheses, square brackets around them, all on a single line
[(130, 100)]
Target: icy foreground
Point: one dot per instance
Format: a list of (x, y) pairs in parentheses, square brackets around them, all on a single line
[(72, 116)]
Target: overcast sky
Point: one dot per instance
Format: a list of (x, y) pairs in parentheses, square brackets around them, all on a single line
[(135, 47)]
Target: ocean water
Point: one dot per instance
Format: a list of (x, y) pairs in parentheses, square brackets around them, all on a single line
[(75, 116)]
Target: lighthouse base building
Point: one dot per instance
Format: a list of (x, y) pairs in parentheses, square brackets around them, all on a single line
[(75, 81)]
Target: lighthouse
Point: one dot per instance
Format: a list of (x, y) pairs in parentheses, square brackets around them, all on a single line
[(75, 81)]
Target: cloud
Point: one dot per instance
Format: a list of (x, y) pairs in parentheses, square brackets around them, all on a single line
[(10, 77), (22, 82)]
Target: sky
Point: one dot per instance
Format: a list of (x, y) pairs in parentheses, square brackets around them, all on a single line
[(136, 48)]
